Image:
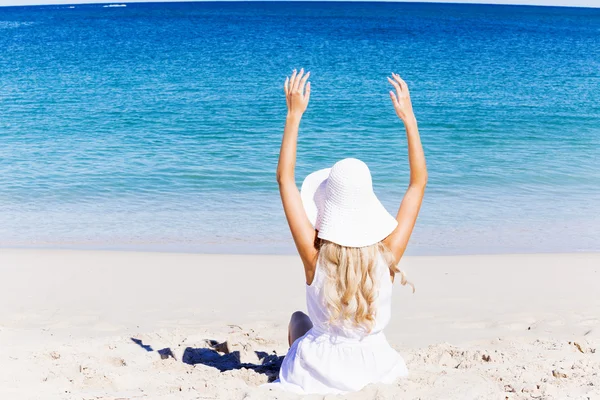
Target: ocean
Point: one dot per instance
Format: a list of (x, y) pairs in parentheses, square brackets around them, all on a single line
[(157, 126)]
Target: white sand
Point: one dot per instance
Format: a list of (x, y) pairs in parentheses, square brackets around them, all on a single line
[(67, 319)]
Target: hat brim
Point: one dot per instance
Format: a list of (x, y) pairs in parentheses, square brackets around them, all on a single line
[(313, 193), (350, 228)]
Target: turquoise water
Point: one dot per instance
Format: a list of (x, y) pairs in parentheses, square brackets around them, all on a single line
[(157, 126)]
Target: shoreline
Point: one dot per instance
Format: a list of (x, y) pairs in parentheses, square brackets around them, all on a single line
[(287, 249), (108, 325)]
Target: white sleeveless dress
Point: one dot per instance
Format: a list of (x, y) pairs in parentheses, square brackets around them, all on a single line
[(332, 359)]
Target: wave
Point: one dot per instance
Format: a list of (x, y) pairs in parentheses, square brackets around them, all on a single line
[(13, 24), (115, 5)]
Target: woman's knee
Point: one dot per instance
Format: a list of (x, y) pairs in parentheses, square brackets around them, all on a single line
[(299, 316), (300, 323)]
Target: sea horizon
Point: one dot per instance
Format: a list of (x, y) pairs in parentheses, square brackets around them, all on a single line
[(489, 3), (157, 126)]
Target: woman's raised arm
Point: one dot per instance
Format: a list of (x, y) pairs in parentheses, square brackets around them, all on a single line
[(297, 95), (411, 203)]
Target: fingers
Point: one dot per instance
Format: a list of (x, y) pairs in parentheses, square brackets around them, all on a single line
[(394, 98), (292, 79), (303, 82), (298, 80), (286, 88), (400, 81), (396, 86), (307, 93)]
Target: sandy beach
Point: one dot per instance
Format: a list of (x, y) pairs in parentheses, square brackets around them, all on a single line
[(126, 325)]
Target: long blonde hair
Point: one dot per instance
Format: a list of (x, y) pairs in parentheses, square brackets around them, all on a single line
[(351, 284)]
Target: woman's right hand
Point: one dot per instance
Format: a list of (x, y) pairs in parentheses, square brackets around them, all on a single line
[(411, 203), (296, 96), (401, 99)]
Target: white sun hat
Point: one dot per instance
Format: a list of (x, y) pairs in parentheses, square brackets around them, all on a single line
[(341, 205)]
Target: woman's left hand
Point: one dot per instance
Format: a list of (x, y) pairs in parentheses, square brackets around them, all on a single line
[(297, 93), (401, 99)]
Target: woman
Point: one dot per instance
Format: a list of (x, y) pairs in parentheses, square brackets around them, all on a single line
[(350, 247)]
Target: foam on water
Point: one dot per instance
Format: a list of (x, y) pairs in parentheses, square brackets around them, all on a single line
[(14, 24)]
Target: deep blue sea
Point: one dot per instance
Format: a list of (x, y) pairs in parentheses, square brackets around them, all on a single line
[(157, 126)]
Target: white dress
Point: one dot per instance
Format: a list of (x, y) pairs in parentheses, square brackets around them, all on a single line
[(330, 359)]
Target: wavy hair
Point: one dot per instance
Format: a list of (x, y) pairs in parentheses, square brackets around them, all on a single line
[(351, 285)]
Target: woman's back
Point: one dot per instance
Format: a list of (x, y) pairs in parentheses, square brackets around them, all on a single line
[(320, 316)]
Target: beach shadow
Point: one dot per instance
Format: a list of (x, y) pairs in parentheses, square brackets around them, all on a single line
[(142, 345), (268, 363)]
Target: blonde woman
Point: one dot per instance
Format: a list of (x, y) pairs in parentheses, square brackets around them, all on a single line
[(350, 247)]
